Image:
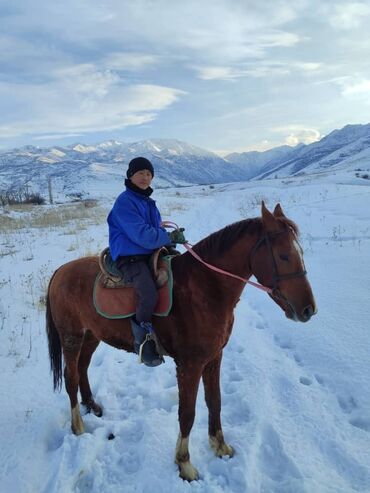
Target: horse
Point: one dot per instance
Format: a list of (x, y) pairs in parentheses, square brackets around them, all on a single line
[(198, 326)]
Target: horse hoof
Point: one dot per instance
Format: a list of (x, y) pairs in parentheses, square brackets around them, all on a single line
[(188, 471), (97, 410), (78, 430), (219, 447), (94, 407)]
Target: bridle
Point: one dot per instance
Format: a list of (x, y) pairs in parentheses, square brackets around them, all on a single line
[(276, 277)]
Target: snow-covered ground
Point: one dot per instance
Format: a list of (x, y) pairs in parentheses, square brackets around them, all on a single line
[(296, 399)]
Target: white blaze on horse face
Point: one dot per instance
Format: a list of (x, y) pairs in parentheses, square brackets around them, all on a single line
[(299, 251)]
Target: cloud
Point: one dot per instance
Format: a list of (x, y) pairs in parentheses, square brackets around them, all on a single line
[(82, 99), (353, 87), (359, 87), (206, 30), (260, 68), (297, 134), (130, 61), (56, 136), (218, 73), (348, 16), (85, 65)]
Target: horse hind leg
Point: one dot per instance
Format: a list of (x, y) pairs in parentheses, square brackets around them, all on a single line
[(71, 350), (89, 345), (211, 381), (188, 377)]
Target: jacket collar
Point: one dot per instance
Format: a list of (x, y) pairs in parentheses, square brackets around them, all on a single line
[(143, 193)]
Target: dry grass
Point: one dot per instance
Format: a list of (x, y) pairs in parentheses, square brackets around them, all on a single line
[(31, 216)]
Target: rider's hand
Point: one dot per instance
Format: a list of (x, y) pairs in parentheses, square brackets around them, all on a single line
[(177, 236)]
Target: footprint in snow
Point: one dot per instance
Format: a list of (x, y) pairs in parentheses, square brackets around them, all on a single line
[(55, 440), (235, 376), (130, 461), (297, 359), (260, 325), (347, 403), (282, 474), (283, 342), (319, 379), (361, 422), (305, 381)]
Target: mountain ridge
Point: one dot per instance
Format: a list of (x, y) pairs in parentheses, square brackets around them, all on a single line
[(176, 163)]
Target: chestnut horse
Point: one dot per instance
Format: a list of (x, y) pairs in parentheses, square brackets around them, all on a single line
[(198, 326)]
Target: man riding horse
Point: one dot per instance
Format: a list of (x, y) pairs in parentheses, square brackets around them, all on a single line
[(135, 232)]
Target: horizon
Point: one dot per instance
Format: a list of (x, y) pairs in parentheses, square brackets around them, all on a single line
[(150, 139), (156, 139), (250, 78)]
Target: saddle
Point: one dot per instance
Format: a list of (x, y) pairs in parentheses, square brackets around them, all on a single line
[(114, 299), (112, 276)]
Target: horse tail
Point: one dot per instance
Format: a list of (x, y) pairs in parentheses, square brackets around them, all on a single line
[(55, 347)]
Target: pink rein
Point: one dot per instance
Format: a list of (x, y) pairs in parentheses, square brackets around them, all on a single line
[(170, 224)]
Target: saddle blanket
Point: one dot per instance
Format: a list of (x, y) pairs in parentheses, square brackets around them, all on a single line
[(120, 302)]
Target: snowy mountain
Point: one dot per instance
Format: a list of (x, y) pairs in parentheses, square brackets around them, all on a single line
[(347, 148), (93, 170), (89, 169), (256, 161), (350, 144)]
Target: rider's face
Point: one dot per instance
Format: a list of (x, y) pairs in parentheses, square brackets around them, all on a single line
[(142, 179)]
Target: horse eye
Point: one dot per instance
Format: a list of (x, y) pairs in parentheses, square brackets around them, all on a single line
[(284, 257)]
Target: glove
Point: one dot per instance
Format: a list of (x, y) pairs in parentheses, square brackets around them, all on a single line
[(177, 236)]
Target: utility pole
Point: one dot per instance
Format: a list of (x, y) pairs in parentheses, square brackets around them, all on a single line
[(50, 191)]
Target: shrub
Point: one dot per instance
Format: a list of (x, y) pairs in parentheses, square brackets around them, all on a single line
[(20, 196)]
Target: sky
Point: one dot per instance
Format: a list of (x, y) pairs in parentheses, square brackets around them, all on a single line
[(228, 76)]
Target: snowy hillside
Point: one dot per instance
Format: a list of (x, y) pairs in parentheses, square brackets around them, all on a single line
[(351, 142), (255, 161), (295, 397)]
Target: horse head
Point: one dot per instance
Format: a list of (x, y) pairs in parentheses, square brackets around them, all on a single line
[(277, 262)]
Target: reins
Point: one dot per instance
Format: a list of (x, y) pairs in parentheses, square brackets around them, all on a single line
[(189, 248)]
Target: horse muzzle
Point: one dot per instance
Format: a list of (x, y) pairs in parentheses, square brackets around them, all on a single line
[(302, 316)]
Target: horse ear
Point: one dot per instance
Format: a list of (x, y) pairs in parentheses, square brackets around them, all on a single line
[(278, 211), (268, 219)]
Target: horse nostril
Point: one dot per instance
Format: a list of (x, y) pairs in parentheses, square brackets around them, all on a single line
[(308, 312)]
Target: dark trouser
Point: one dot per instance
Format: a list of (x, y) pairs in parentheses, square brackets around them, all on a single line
[(138, 273)]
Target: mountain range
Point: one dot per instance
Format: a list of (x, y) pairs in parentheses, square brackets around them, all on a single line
[(92, 169)]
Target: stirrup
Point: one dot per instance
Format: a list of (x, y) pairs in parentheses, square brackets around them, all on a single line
[(145, 335), (149, 337)]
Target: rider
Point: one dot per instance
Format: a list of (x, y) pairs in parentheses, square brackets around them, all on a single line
[(135, 232)]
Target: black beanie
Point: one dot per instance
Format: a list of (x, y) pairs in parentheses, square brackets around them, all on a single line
[(137, 164)]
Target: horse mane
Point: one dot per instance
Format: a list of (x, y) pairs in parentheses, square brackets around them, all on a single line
[(219, 241)]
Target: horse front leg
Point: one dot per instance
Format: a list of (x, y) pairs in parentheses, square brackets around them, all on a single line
[(211, 381), (188, 377)]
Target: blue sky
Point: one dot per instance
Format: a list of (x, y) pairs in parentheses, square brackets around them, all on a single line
[(223, 75)]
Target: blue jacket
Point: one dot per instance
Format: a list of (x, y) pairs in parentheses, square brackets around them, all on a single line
[(134, 226)]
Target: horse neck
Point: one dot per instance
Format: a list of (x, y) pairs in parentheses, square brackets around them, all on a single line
[(234, 259)]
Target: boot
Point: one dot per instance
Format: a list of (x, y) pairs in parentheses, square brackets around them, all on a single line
[(144, 343)]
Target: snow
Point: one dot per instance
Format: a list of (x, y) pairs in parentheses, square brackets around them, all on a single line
[(84, 149), (45, 159), (296, 401), (57, 152)]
